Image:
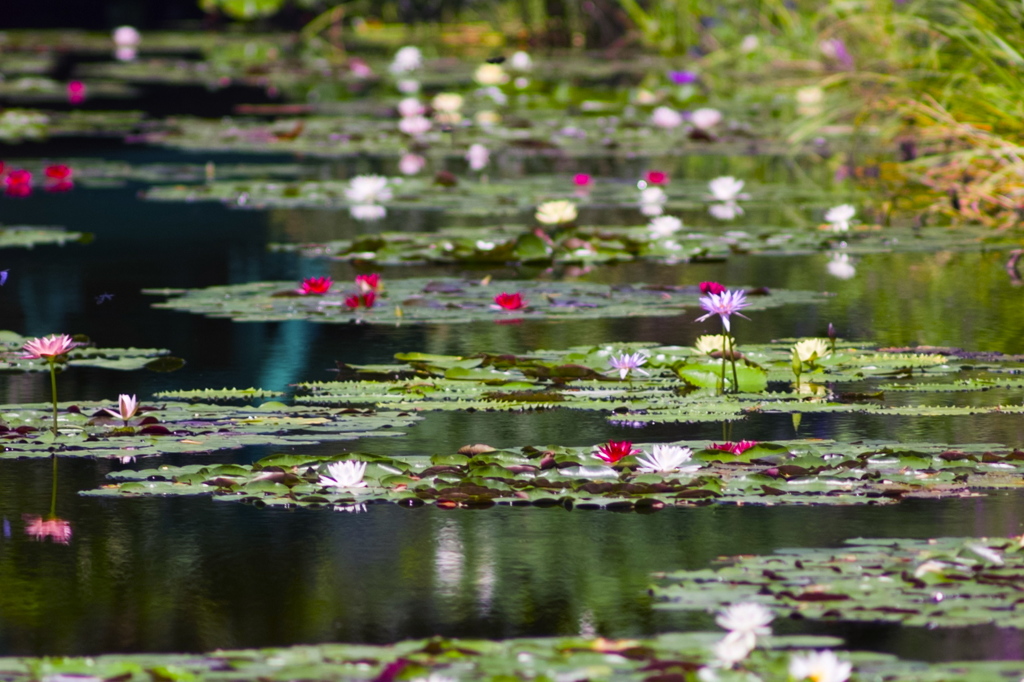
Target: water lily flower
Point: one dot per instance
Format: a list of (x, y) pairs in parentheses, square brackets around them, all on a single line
[(705, 118), (447, 102), (410, 106), (365, 300), (665, 458), (809, 101), (749, 43), (626, 362), (478, 156), (411, 164), (711, 288), (727, 188), (367, 211), (316, 286), (57, 530), (126, 36), (76, 92), (414, 125), (809, 350), (359, 68), (841, 266), (665, 225), (581, 179), (734, 448), (682, 77), (746, 620), (368, 189), (57, 171), (127, 405), (819, 666), (347, 474), (18, 177), (615, 450), (556, 212), (839, 217), (367, 283), (507, 301), (520, 61), (408, 58), (713, 343), (725, 304), (664, 117), (656, 178), (490, 74), (652, 200), (48, 347)]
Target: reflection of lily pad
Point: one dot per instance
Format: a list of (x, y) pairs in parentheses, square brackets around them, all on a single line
[(27, 237), (801, 472), (83, 356), (945, 582), (85, 430), (452, 300)]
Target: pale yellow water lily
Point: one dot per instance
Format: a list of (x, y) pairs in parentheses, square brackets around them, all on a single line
[(556, 212), (490, 74), (713, 343), (812, 350)]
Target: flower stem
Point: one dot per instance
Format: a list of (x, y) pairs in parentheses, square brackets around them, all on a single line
[(721, 380), (52, 360), (732, 358)]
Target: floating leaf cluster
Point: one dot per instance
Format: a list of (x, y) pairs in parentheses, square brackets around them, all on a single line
[(29, 237)]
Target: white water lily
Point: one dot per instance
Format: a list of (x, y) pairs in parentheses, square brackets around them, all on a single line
[(841, 266), (126, 36), (713, 343), (705, 118), (665, 225), (368, 189), (727, 188), (749, 43), (447, 102), (414, 125), (411, 164), (478, 156), (556, 212), (408, 58), (520, 61), (839, 217), (410, 106), (665, 458), (348, 474), (490, 74), (665, 117), (746, 619), (810, 350), (654, 196), (819, 666)]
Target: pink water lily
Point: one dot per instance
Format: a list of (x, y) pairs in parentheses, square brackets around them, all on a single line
[(507, 301), (127, 406), (317, 286), (48, 346), (369, 282), (615, 450), (725, 304)]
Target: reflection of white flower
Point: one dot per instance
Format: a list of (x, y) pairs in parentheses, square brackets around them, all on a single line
[(665, 458), (490, 74), (841, 266), (367, 211), (348, 474), (414, 125), (556, 212), (839, 217), (411, 164), (726, 188), (653, 195), (819, 666), (125, 54), (520, 61), (368, 189), (731, 650), (408, 58), (350, 508), (664, 117), (410, 106), (726, 210), (651, 210), (747, 618), (665, 225), (478, 156), (705, 118)]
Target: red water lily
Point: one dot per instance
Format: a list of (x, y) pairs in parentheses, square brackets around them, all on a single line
[(365, 300), (317, 286), (615, 450), (581, 179), (656, 178), (733, 448), (711, 288), (57, 171), (506, 301), (368, 282)]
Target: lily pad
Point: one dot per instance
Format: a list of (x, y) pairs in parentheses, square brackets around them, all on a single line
[(85, 355), (28, 237), (418, 300)]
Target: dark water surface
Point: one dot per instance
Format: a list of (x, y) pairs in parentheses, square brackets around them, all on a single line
[(193, 575)]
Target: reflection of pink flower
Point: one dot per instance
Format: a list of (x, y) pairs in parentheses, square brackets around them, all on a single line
[(316, 286), (369, 282), (48, 347), (506, 301), (615, 450), (60, 186), (57, 171), (656, 178), (18, 190), (55, 529), (711, 288), (581, 179), (734, 448)]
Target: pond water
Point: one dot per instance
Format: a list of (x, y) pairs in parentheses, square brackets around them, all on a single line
[(193, 575)]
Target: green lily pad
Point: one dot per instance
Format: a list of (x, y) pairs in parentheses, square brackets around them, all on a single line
[(28, 237), (418, 300)]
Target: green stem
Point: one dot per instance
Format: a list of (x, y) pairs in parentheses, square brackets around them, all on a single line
[(732, 359), (53, 389), (721, 380)]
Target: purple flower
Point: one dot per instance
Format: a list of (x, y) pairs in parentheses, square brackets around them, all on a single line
[(724, 305), (682, 77)]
